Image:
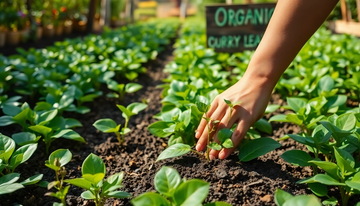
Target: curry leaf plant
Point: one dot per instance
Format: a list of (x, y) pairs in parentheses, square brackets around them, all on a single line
[(175, 191), (57, 160), (97, 188), (309, 112), (110, 126), (9, 184)]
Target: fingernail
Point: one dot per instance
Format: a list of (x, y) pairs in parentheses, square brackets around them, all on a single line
[(222, 155), (198, 146), (197, 134), (212, 157)]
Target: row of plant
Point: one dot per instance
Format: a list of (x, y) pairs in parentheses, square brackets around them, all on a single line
[(322, 76), (61, 78)]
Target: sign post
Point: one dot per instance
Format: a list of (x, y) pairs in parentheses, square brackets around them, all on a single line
[(235, 28)]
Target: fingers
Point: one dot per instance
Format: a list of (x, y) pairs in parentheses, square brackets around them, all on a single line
[(202, 125), (202, 142), (237, 136), (225, 123)]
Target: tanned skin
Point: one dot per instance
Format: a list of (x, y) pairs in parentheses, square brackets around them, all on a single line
[(292, 24)]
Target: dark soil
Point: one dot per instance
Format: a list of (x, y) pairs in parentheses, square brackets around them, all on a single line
[(250, 183)]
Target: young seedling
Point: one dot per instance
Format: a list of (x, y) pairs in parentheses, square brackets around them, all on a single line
[(57, 160), (122, 89), (9, 159), (175, 191), (109, 125), (93, 172)]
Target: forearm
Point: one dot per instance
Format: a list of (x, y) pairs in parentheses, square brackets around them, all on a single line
[(292, 24)]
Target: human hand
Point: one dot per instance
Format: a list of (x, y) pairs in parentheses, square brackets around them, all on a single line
[(254, 96)]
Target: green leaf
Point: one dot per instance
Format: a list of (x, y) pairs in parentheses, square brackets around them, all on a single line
[(174, 151), (157, 128), (228, 102), (23, 138), (25, 152), (263, 126), (354, 182), (11, 110), (80, 182), (9, 178), (132, 87), (318, 189), (46, 117), (150, 199), (297, 157), (22, 116), (281, 197), (93, 169), (331, 201), (257, 147), (191, 192), (224, 134), (6, 120), (113, 182), (32, 180), (126, 113), (69, 134), (166, 180), (346, 121), (41, 129), (329, 167), (228, 144), (202, 107), (325, 84), (88, 195), (62, 155), (303, 200), (135, 108), (344, 160), (119, 194), (106, 125), (271, 108), (321, 178), (296, 103), (278, 118), (72, 123), (6, 189), (7, 147)]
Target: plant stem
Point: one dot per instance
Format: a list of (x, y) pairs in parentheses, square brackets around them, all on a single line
[(118, 136), (198, 153)]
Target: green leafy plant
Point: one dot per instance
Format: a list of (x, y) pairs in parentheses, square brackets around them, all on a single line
[(175, 191), (110, 126), (57, 160), (309, 112), (283, 198), (11, 158), (122, 89), (93, 172)]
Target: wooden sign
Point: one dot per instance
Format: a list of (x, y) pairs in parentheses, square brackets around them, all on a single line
[(235, 28)]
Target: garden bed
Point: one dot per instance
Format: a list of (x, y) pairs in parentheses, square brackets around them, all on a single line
[(250, 183)]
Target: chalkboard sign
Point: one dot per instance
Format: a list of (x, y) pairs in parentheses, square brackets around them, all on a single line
[(235, 28)]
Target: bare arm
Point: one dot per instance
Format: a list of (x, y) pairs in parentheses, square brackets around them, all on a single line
[(292, 24)]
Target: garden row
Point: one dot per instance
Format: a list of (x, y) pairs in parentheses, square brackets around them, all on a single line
[(317, 84), (59, 80)]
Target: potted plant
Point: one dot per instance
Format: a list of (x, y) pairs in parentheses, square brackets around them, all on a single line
[(2, 27), (48, 27), (12, 21)]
